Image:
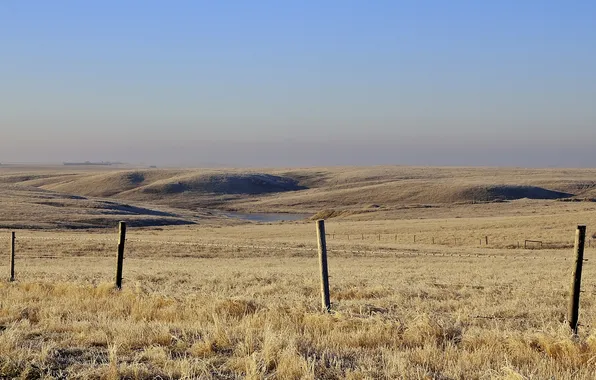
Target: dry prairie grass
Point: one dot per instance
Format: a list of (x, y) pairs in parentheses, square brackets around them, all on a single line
[(242, 301), (505, 224), (227, 313), (388, 189)]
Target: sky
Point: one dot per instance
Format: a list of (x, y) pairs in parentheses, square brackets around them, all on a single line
[(299, 83)]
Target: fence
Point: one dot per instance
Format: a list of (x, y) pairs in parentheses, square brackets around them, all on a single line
[(483, 241), (121, 240)]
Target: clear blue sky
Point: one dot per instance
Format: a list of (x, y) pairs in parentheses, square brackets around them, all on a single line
[(299, 82)]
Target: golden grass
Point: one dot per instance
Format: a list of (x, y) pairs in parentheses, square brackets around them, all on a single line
[(228, 313), (259, 317), (387, 188), (242, 301)]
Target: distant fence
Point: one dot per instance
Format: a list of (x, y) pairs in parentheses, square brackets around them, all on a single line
[(321, 248), (455, 241)]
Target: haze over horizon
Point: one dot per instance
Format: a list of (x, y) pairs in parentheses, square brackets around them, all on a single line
[(299, 83)]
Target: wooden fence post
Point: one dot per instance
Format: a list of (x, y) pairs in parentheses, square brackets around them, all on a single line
[(573, 314), (12, 249), (121, 241), (325, 302), (486, 239)]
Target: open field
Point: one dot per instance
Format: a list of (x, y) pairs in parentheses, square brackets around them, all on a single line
[(258, 316), (191, 196), (219, 298)]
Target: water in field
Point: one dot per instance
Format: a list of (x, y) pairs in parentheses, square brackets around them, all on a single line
[(266, 217)]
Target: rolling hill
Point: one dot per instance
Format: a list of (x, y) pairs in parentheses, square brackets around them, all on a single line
[(309, 190)]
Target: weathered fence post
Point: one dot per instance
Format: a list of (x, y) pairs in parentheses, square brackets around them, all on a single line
[(486, 240), (573, 314), (12, 249), (326, 304), (121, 241)]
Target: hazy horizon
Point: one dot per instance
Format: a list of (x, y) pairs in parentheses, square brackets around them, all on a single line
[(299, 83), (297, 154)]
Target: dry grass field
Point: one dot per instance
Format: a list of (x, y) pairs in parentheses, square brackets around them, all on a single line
[(212, 297), (355, 192)]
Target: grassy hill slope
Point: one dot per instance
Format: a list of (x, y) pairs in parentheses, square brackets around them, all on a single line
[(310, 190)]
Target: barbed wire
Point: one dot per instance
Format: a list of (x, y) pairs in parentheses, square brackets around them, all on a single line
[(363, 251), (19, 237), (545, 245)]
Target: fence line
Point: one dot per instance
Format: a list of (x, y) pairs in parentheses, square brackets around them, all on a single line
[(503, 243), (573, 307), (26, 237), (282, 247)]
